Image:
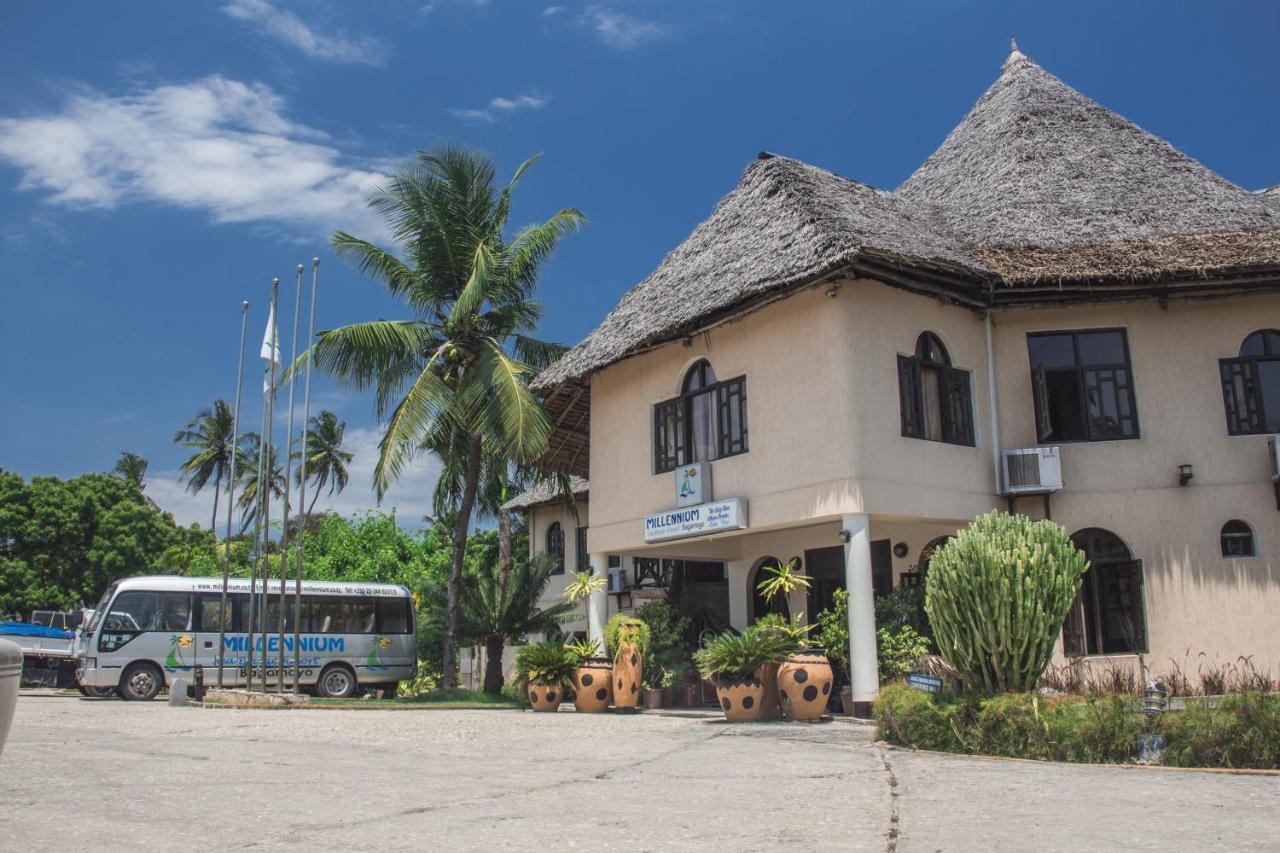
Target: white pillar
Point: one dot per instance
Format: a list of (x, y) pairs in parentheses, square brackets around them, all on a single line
[(598, 604), (738, 572), (863, 669)]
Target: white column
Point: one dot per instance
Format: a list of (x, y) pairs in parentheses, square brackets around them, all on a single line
[(598, 604), (863, 670), (737, 571)]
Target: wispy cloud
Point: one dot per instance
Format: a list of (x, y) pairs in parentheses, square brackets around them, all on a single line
[(620, 30), (433, 5), (217, 145), (410, 496), (284, 25), (502, 106), (552, 11)]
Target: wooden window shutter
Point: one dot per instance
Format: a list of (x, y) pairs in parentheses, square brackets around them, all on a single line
[(1040, 384), (1240, 396), (1073, 640), (909, 401), (958, 413)]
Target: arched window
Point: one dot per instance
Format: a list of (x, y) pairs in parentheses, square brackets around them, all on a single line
[(707, 421), (926, 554), (555, 546), (760, 607), (934, 397), (1108, 616), (1251, 385), (1237, 539)]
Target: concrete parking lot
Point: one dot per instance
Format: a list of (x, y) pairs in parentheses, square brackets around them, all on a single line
[(109, 775)]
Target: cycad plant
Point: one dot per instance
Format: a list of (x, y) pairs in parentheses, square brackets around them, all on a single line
[(733, 656), (497, 612), (548, 663), (451, 378)]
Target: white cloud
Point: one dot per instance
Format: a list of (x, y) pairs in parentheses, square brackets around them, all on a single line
[(502, 106), (428, 8), (289, 28), (551, 11), (620, 30), (215, 144), (410, 496)]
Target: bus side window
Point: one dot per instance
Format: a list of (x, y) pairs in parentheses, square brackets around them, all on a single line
[(393, 616), (174, 613), (132, 611), (361, 616), (213, 617), (327, 616)]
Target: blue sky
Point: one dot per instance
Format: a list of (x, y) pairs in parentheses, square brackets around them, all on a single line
[(161, 162)]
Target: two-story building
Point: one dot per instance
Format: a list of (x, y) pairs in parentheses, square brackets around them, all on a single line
[(835, 372)]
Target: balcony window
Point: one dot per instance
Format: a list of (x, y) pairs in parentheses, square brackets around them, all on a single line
[(934, 397), (555, 546), (1251, 385), (707, 421), (1083, 384)]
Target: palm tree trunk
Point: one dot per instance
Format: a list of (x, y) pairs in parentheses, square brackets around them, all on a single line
[(493, 646), (314, 498), (504, 552), (213, 522), (449, 674)]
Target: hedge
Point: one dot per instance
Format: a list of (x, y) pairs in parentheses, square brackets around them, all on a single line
[(1243, 731)]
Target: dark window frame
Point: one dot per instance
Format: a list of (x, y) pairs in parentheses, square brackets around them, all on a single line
[(955, 394), (1248, 416), (1110, 579), (673, 421), (1084, 371), (583, 560), (1230, 541), (553, 539)]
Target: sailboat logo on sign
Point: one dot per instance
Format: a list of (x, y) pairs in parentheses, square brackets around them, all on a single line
[(692, 484)]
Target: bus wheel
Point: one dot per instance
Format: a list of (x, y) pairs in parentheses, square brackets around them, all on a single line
[(140, 682), (336, 682), (96, 692)]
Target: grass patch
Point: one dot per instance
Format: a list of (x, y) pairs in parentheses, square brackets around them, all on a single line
[(449, 698), (1243, 731)]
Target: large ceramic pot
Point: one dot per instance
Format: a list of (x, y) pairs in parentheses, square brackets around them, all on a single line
[(591, 686), (10, 675), (545, 697), (770, 707), (804, 683), (628, 667), (740, 699)]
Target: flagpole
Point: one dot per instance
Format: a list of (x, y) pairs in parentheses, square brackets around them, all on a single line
[(288, 483), (231, 487), (257, 553), (272, 328), (302, 485)]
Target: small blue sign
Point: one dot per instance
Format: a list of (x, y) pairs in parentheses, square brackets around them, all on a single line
[(920, 681)]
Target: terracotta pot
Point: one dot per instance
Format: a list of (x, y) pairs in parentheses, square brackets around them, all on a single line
[(653, 699), (545, 697), (740, 699), (770, 706), (628, 667), (846, 701), (591, 686), (804, 683)]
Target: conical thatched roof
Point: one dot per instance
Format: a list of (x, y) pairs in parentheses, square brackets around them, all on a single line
[(1039, 192), (546, 492)]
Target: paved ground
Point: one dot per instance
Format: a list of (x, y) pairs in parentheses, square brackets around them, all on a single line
[(109, 775)]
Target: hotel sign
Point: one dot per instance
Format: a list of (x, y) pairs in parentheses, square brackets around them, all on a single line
[(693, 484), (698, 520)]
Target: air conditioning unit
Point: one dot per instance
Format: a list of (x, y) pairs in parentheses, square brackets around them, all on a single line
[(1031, 471), (616, 578), (1273, 452)]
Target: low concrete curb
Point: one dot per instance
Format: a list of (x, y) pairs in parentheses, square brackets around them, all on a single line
[(1231, 771)]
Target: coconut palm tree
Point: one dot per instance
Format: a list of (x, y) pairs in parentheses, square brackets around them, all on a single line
[(210, 436), (248, 469), (453, 375), (496, 611), (326, 461), (132, 468)]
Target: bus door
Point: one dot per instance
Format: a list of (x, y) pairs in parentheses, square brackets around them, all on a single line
[(213, 618)]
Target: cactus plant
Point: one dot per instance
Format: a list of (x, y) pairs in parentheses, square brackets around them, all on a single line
[(997, 595)]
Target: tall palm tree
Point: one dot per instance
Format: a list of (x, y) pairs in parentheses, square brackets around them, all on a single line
[(210, 435), (326, 461), (497, 611), (455, 374), (248, 469), (132, 468)]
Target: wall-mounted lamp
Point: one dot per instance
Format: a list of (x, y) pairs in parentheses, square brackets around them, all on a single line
[(900, 550), (688, 341), (1184, 474), (845, 536), (833, 290)]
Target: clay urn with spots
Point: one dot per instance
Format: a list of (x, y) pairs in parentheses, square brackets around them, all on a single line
[(546, 670), (628, 670), (591, 685), (805, 682), (741, 698), (545, 697)]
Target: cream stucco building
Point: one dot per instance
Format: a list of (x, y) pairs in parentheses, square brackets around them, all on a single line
[(848, 368)]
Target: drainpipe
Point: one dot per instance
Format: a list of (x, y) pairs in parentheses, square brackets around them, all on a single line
[(991, 400)]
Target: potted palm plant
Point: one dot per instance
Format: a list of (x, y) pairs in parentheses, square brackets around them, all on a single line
[(546, 671), (591, 680), (780, 579), (732, 662), (627, 639), (793, 637)]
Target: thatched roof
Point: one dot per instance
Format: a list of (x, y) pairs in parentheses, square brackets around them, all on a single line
[(1039, 194), (546, 492)]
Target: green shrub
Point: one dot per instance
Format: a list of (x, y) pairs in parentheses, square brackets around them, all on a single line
[(917, 719), (904, 606), (669, 659), (1243, 730), (1096, 728), (623, 628), (833, 629), (898, 650), (997, 594)]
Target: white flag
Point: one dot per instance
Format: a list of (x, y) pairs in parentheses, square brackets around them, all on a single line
[(270, 352)]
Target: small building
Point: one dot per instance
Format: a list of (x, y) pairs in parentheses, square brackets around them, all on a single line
[(1057, 313)]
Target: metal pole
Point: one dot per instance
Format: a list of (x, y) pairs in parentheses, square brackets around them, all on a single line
[(251, 623), (266, 493), (231, 487), (288, 483), (302, 485)]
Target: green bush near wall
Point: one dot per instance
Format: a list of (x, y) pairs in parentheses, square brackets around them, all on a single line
[(1241, 732)]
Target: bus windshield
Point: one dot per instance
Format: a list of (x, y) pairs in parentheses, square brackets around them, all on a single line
[(100, 609)]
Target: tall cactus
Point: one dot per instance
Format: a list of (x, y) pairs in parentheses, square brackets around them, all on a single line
[(996, 596)]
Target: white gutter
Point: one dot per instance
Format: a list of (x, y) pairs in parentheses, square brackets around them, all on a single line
[(991, 400)]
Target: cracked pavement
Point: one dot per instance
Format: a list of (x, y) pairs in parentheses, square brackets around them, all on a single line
[(109, 775)]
